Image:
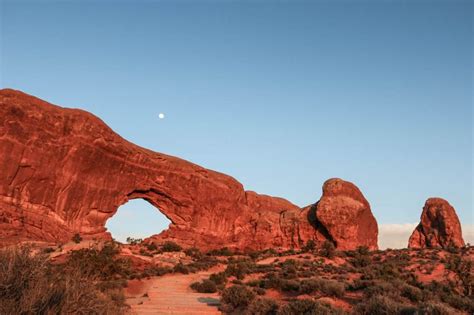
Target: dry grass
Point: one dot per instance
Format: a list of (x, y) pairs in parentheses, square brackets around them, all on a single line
[(30, 284)]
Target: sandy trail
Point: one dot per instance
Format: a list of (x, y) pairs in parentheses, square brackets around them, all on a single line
[(171, 294)]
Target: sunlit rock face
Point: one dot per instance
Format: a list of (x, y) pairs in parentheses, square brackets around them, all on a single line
[(63, 171), (439, 226), (346, 215)]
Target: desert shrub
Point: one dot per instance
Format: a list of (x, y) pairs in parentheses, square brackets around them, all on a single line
[(259, 291), (255, 283), (306, 307), (99, 263), (374, 288), (77, 238), (434, 308), (457, 301), (412, 293), (463, 270), (181, 268), (309, 246), (445, 293), (331, 288), (308, 286), (262, 306), (327, 250), (290, 285), (218, 278), (237, 296), (289, 269), (155, 271), (254, 255), (144, 252), (240, 268), (203, 263), (151, 246), (30, 284), (326, 287), (272, 280), (224, 251), (206, 286), (360, 257), (193, 252), (378, 305), (170, 246)]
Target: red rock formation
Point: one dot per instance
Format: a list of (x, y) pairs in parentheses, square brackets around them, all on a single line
[(63, 171), (439, 226), (346, 216)]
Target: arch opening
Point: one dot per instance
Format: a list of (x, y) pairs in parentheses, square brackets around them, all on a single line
[(137, 219)]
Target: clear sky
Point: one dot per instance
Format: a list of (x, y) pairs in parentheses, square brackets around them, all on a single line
[(281, 95)]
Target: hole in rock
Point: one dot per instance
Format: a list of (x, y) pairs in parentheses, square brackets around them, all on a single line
[(136, 219)]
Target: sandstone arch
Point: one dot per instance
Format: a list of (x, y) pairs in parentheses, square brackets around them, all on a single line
[(63, 171)]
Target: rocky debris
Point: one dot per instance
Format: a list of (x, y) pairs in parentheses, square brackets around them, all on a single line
[(439, 226)]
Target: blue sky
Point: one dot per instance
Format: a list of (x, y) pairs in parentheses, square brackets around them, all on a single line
[(280, 95)]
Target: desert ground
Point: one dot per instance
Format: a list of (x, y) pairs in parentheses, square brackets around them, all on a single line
[(147, 278)]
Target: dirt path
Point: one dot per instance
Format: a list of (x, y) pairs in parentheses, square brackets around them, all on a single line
[(171, 294)]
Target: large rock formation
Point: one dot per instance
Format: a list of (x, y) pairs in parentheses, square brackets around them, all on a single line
[(346, 216), (439, 226), (63, 171)]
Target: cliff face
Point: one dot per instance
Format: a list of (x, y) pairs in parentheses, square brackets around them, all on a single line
[(63, 171), (439, 226)]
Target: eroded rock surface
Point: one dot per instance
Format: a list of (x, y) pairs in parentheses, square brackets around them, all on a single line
[(63, 171), (439, 226), (346, 216)]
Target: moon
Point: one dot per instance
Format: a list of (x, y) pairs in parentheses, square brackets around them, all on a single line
[(161, 115)]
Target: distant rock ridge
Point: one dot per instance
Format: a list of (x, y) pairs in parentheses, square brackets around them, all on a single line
[(439, 226), (64, 171)]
